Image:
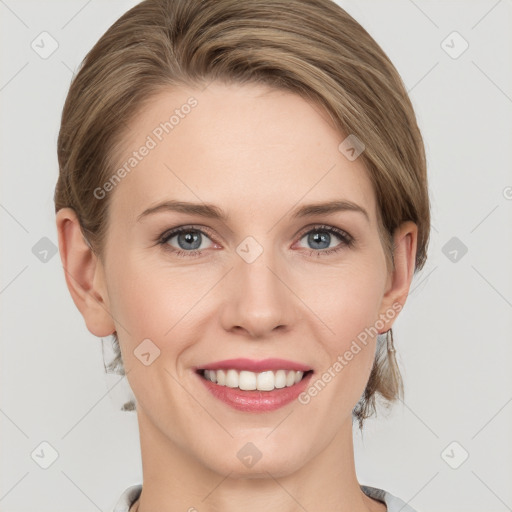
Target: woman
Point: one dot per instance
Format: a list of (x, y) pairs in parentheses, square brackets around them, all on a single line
[(242, 202)]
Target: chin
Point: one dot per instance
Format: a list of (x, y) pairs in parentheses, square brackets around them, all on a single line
[(256, 459)]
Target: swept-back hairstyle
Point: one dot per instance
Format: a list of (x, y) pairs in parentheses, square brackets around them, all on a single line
[(309, 47)]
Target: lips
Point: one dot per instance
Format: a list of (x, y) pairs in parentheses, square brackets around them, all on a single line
[(255, 386), (255, 366)]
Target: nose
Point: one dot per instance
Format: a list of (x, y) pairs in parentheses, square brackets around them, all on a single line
[(258, 298)]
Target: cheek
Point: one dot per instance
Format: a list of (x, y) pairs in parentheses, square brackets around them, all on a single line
[(347, 300), (150, 304), (350, 311), (349, 308)]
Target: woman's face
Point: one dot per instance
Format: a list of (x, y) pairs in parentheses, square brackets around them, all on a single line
[(261, 283)]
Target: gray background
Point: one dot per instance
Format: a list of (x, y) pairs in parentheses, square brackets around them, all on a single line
[(453, 337)]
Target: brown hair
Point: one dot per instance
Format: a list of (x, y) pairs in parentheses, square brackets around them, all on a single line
[(310, 47)]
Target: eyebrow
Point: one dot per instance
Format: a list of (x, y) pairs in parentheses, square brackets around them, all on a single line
[(213, 212)]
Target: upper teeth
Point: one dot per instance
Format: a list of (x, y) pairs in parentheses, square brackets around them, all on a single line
[(245, 380)]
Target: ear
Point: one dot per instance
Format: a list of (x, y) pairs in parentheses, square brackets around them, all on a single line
[(84, 274), (405, 241)]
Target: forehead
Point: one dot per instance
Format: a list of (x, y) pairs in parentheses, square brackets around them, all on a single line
[(248, 148)]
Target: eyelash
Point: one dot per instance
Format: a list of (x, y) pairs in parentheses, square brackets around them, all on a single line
[(346, 240)]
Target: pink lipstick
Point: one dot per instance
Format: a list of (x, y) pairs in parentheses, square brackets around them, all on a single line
[(255, 386)]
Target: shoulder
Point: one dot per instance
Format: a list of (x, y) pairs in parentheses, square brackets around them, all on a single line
[(393, 503), (127, 499)]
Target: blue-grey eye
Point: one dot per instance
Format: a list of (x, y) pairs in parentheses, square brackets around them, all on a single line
[(187, 239), (321, 238)]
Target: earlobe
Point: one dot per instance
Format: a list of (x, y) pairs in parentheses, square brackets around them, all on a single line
[(84, 274), (404, 254)]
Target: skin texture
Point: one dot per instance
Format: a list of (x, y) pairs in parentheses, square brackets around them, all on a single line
[(257, 153)]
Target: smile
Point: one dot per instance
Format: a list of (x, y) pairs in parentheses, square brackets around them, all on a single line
[(266, 386), (249, 381)]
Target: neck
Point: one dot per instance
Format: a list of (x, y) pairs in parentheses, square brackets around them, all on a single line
[(174, 480)]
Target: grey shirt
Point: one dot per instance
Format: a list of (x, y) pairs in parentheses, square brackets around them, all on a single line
[(393, 503)]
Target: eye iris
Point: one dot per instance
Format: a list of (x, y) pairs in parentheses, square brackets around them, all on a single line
[(189, 237), (315, 238), (320, 239)]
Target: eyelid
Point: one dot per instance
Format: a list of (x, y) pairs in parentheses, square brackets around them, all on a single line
[(346, 238), (206, 230), (327, 227), (169, 233)]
